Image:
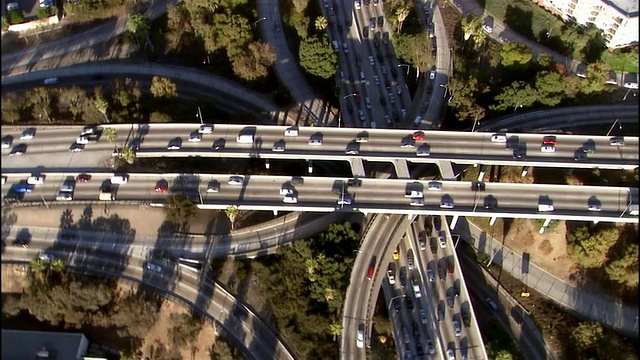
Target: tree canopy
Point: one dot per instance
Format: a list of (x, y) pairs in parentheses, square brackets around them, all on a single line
[(179, 208), (515, 54), (318, 57), (589, 248)]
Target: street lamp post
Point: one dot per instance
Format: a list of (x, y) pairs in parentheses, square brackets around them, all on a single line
[(199, 115), (393, 298), (352, 94), (518, 105), (407, 65), (614, 124), (257, 21)]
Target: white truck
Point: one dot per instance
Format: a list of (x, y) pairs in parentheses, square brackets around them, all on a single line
[(413, 194)]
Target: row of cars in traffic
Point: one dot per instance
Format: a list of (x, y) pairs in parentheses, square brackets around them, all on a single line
[(549, 144)]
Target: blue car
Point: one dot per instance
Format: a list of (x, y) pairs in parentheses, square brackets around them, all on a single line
[(23, 188)]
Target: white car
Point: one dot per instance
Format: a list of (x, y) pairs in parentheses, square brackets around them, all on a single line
[(28, 134), (398, 89), (434, 185), (360, 338), (446, 204), (236, 180), (499, 138), (595, 207), (417, 202), (88, 130), (548, 149), (82, 140), (205, 129), (423, 316), (195, 137), (35, 180), (7, 141), (487, 28), (75, 147), (290, 200), (344, 201), (174, 145), (154, 267), (64, 196), (432, 74), (285, 191), (12, 6), (376, 79), (442, 241), (451, 355), (315, 141), (356, 4), (292, 131)]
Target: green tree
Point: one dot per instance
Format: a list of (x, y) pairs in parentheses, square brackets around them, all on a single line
[(43, 13), (159, 117), (589, 249), (15, 17), (597, 76), (72, 100), (184, 329), (550, 87), (545, 60), (40, 100), (232, 213), (624, 270), (335, 329), (162, 87), (586, 335), (223, 350), (321, 23), (139, 25), (179, 209), (135, 315), (471, 26), (513, 53), (13, 105), (100, 102), (401, 14), (255, 61), (318, 58), (111, 134), (517, 95), (463, 98), (57, 265)]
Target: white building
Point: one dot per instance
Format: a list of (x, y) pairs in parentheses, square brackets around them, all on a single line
[(618, 19)]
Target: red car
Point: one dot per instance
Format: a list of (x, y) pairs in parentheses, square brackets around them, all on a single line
[(83, 178), (549, 140), (370, 273), (418, 135), (160, 188), (356, 95)]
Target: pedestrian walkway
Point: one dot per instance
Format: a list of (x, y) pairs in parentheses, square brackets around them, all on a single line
[(586, 302), (286, 66)]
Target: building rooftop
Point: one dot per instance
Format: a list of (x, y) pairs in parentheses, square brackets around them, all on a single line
[(20, 345), (629, 7)]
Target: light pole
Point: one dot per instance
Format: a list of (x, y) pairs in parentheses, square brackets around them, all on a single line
[(446, 89), (518, 105), (614, 124), (257, 21), (475, 121), (407, 65), (352, 94), (199, 115), (393, 298)]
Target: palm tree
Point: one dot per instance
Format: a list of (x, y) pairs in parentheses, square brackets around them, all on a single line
[(57, 265), (111, 134), (128, 154), (402, 12), (471, 25), (232, 214), (335, 329), (321, 23)]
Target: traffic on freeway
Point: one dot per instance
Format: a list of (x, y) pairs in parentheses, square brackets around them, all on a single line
[(238, 141), (328, 194)]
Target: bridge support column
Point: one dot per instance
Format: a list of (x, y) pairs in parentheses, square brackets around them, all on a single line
[(492, 221), (357, 167), (411, 216), (275, 212), (544, 226), (595, 222), (446, 170), (402, 169), (454, 221)]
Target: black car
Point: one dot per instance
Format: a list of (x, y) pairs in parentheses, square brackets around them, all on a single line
[(365, 32), (387, 84), (372, 23), (354, 182), (380, 58), (477, 186), (349, 107), (432, 245), (518, 154), (383, 102), (490, 202), (395, 115), (409, 302), (466, 320), (456, 288), (419, 349), (385, 38), (397, 305), (422, 240), (437, 223), (403, 276), (380, 21)]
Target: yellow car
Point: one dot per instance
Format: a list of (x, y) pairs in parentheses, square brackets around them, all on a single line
[(396, 254)]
